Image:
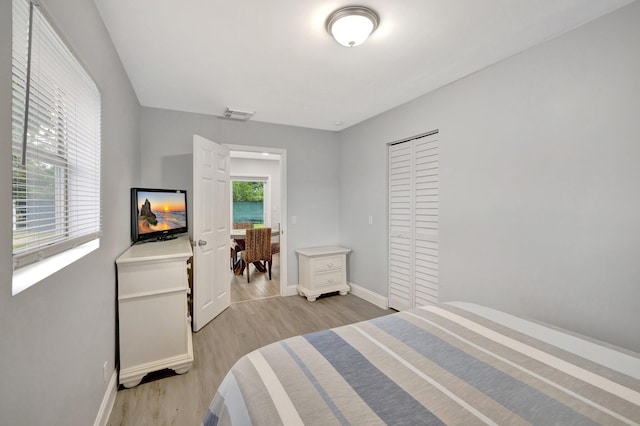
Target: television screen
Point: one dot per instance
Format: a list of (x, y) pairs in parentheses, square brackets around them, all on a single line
[(158, 213)]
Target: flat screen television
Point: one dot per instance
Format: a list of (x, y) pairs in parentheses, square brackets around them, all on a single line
[(158, 214)]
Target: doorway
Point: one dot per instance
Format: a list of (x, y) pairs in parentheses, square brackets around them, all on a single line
[(260, 198)]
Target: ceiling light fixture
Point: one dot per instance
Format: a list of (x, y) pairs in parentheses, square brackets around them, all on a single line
[(352, 25)]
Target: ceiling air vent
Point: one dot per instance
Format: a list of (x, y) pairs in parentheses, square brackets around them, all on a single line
[(237, 114)]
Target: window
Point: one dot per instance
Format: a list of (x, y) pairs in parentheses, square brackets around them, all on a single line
[(250, 200), (56, 143)]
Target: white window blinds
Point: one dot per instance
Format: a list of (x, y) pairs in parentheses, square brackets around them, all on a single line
[(56, 142)]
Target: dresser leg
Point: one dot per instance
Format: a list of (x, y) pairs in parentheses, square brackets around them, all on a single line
[(132, 383), (182, 370)]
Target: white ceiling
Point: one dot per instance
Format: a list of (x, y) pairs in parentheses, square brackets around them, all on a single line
[(275, 57)]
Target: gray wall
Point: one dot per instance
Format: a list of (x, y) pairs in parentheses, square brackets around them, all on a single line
[(540, 182), (312, 167), (56, 335)]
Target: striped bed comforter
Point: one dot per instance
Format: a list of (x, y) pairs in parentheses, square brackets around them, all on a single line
[(454, 363)]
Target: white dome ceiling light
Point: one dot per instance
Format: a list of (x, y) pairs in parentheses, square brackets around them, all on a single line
[(352, 25)]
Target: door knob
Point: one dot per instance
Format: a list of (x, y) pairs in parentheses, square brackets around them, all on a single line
[(202, 243)]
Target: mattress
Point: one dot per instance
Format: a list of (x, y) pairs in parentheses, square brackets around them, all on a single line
[(455, 363)]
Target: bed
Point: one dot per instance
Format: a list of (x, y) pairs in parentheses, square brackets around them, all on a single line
[(454, 363)]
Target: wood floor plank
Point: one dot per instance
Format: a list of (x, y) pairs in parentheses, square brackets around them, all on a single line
[(243, 327), (260, 285)]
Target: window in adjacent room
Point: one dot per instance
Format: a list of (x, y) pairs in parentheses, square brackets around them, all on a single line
[(250, 200), (56, 151)]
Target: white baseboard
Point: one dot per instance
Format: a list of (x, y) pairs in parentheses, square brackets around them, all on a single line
[(369, 296), (356, 290), (291, 290), (107, 401)]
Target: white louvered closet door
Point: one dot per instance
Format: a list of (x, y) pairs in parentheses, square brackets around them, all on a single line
[(425, 213), (400, 226), (413, 222)]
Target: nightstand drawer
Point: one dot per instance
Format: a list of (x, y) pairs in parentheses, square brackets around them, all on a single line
[(332, 263), (327, 279)]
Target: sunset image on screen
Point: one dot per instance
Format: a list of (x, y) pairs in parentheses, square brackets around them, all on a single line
[(161, 211)]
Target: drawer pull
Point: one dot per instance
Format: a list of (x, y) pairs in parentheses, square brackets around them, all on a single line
[(329, 265)]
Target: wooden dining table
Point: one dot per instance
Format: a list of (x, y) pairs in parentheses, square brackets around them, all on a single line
[(239, 236)]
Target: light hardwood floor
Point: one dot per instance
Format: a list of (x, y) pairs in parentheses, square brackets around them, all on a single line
[(169, 399), (260, 285)]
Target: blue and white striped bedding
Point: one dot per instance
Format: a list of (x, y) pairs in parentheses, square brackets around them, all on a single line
[(455, 363)]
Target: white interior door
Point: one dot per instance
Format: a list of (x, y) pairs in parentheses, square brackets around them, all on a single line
[(211, 291)]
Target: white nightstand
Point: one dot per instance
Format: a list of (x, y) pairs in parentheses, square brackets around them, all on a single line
[(322, 270)]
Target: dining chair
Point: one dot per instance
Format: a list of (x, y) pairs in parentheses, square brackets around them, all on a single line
[(257, 248), (238, 246)]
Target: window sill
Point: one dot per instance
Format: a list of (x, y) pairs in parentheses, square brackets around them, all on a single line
[(29, 275)]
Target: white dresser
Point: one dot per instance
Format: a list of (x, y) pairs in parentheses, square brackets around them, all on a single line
[(154, 323), (322, 270)]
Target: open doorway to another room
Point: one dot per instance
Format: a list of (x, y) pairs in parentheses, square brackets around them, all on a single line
[(257, 202)]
